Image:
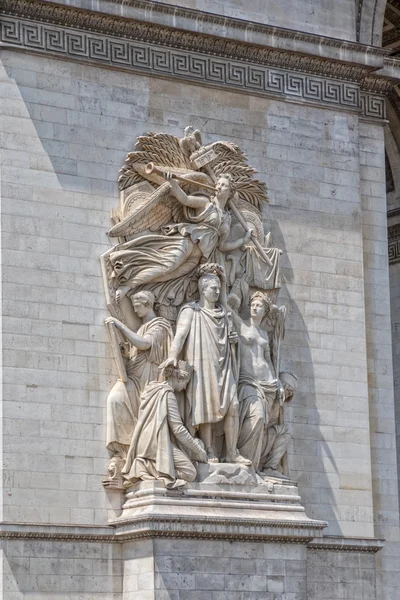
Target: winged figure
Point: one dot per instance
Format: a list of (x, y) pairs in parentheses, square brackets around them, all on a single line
[(165, 229)]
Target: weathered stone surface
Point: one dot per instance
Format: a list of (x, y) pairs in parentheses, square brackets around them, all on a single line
[(66, 129)]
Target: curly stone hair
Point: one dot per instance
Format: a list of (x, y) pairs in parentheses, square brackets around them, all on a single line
[(208, 272), (229, 177), (183, 371), (210, 269), (145, 297)]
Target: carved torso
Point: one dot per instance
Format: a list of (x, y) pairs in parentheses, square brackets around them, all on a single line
[(255, 357)]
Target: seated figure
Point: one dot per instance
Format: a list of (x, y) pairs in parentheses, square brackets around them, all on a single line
[(162, 448)]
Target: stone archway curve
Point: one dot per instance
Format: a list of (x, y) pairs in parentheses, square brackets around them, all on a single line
[(370, 17)]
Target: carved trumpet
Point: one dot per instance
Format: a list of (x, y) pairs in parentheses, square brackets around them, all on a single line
[(151, 168)]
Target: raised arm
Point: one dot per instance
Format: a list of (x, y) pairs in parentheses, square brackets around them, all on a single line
[(142, 343), (233, 303), (190, 201), (225, 246), (182, 330), (183, 436)]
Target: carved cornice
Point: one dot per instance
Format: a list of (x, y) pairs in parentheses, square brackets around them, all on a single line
[(43, 531), (152, 8), (167, 52), (196, 42), (163, 61), (340, 544), (218, 529), (376, 85), (179, 527)]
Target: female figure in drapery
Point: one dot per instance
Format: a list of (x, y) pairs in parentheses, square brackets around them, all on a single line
[(166, 262), (259, 383), (149, 348)]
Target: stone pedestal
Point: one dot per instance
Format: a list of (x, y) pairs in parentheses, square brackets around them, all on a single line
[(242, 534)]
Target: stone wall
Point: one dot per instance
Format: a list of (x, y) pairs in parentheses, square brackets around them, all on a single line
[(217, 570), (61, 570), (69, 130), (66, 127), (339, 575), (379, 351)]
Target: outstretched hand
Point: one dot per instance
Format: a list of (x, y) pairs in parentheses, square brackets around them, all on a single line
[(248, 236), (201, 454), (233, 337), (111, 321), (169, 362)]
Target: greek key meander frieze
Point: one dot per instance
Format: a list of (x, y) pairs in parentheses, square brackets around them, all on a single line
[(394, 244), (193, 67), (95, 21)]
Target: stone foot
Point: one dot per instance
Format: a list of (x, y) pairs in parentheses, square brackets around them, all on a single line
[(211, 458), (238, 458)]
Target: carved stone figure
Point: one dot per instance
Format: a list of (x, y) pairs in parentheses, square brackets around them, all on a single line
[(277, 436), (189, 231), (161, 446), (258, 381), (168, 262), (149, 347), (203, 339)]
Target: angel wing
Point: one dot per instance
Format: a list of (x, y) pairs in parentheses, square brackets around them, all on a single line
[(275, 325), (162, 149), (150, 212), (231, 159)]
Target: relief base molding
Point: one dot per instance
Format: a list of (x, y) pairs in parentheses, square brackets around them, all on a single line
[(196, 58), (153, 528)]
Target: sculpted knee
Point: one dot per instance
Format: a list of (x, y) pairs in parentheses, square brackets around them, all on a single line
[(117, 396)]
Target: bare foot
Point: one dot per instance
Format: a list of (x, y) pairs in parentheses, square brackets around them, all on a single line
[(238, 458)]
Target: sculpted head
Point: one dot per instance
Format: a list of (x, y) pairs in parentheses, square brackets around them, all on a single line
[(143, 303), (260, 305), (209, 282), (178, 377), (224, 188)]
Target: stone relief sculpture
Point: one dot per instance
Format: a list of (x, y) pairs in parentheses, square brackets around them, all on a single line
[(200, 377), (149, 346), (153, 452), (204, 340)]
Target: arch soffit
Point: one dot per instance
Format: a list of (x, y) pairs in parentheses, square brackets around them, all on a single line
[(370, 16)]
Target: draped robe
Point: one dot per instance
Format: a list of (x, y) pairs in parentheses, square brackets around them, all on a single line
[(124, 398), (153, 453), (212, 387)]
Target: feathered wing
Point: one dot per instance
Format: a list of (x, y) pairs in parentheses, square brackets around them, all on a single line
[(277, 337), (149, 213), (162, 149), (231, 159)]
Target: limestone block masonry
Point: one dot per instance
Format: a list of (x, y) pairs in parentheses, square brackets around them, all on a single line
[(80, 82)]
